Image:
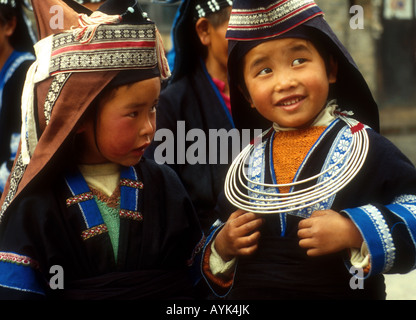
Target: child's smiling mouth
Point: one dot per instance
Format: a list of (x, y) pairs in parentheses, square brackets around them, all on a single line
[(290, 102)]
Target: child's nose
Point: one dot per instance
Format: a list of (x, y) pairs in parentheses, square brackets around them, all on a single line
[(284, 82), (148, 126)]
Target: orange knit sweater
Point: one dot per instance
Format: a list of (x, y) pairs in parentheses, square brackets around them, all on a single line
[(289, 150)]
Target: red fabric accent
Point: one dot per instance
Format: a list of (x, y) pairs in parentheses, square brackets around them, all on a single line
[(221, 87), (357, 128), (107, 45), (274, 22), (218, 282)]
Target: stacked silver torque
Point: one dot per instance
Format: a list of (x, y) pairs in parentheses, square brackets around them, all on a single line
[(265, 198)]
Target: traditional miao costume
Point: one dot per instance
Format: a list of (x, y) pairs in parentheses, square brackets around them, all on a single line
[(340, 162), (111, 232)]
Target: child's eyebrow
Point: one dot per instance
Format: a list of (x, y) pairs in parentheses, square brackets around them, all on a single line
[(258, 62), (134, 105), (298, 48)]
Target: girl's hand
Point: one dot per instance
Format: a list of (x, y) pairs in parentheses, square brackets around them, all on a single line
[(328, 232), (239, 236)]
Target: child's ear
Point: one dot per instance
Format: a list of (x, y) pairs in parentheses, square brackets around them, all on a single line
[(10, 26), (202, 28), (333, 70)]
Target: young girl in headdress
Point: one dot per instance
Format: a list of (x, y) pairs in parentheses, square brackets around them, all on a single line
[(84, 215), (323, 204)]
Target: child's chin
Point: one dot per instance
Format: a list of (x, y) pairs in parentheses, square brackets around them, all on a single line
[(130, 162)]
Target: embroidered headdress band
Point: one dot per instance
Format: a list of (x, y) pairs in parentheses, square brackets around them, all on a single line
[(269, 20), (96, 44), (206, 7), (11, 3)]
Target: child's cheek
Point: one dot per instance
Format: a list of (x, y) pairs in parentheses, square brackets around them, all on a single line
[(123, 137)]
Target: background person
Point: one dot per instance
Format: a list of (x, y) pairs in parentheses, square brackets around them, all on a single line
[(16, 56), (198, 96)]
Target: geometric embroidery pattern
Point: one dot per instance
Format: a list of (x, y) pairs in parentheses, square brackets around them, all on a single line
[(53, 94), (79, 198), (131, 183), (15, 177), (133, 215), (384, 234), (94, 231), (18, 259), (109, 49), (263, 18)]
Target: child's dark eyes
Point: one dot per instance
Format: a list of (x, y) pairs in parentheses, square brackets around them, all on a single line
[(264, 71), (135, 114), (298, 62)]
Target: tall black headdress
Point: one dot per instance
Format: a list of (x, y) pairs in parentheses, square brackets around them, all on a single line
[(256, 21)]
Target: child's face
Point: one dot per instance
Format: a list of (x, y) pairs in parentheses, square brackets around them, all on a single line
[(219, 44), (287, 81), (211, 32), (125, 124)]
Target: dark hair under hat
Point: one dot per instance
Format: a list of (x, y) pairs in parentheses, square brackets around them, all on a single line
[(256, 21), (23, 38), (185, 50)]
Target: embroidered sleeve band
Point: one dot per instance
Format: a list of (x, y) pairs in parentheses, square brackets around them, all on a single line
[(19, 272)]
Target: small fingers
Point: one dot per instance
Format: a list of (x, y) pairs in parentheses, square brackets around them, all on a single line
[(246, 223), (305, 223), (304, 233), (248, 245)]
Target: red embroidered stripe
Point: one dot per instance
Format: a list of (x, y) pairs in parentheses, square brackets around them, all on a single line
[(18, 259), (133, 215), (131, 183), (79, 198), (105, 46), (286, 17), (94, 231), (276, 34)]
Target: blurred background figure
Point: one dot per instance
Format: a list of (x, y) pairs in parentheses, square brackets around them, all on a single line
[(16, 56), (197, 97)]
